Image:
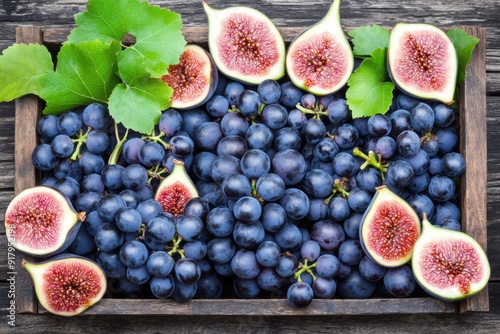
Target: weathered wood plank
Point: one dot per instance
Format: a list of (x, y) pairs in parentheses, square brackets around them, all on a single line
[(478, 323), (473, 147)]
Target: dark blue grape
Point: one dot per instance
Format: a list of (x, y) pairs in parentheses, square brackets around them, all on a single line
[(419, 162), (130, 150), (148, 209), (300, 294), (111, 264), (385, 147), (346, 136), (206, 137), (443, 115), (161, 229), (69, 123), (317, 210), (220, 222), (330, 235), (248, 102), (326, 149), (162, 287), (134, 177), (209, 287), (296, 119), (128, 220), (313, 130), (43, 158), (83, 243), (269, 280), (259, 136), (399, 281), (289, 237), (338, 112), (273, 217), (371, 270), (244, 264), (422, 117), (269, 91), (275, 116), (91, 163), (421, 203), (447, 139), (350, 252), (287, 138), (97, 142), (430, 145), (436, 166), (160, 264), (287, 265), (369, 179), (289, 165), (96, 116), (221, 250), (189, 228), (344, 164), (310, 250), (236, 185), (151, 153), (187, 271), (327, 266), (406, 102), (111, 176), (355, 286), (400, 173), (233, 91), (290, 94), (170, 122), (441, 188), (317, 183), (133, 253), (87, 201), (453, 164), (247, 209), (359, 199), (445, 211), (191, 118), (69, 187), (248, 235), (400, 121), (419, 183), (379, 125), (324, 288), (217, 106), (452, 224), (339, 209), (246, 288), (296, 203), (139, 275), (268, 253), (255, 163), (232, 145), (62, 146), (408, 143), (234, 123), (108, 237), (224, 166), (46, 128)]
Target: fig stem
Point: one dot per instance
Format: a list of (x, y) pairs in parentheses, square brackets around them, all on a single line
[(113, 158), (371, 160), (81, 138)]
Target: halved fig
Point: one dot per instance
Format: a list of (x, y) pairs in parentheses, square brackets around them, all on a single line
[(42, 221), (320, 59), (422, 61), (449, 264), (175, 190), (245, 45), (194, 79), (389, 229), (67, 284)]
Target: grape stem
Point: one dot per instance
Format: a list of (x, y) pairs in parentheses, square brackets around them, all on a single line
[(255, 193), (156, 172), (371, 160), (157, 139), (305, 267), (338, 189), (316, 112), (81, 138), (113, 158), (176, 247)]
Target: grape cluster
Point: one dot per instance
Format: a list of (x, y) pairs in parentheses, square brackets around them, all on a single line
[(284, 178)]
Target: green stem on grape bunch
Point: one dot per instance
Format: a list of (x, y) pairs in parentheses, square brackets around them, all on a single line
[(305, 267), (338, 190), (157, 139), (156, 172), (176, 247), (113, 158), (255, 194), (372, 160), (81, 138), (317, 112)]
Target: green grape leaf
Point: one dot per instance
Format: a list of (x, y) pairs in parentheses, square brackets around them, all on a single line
[(139, 101), (21, 68), (158, 37), (85, 73), (368, 38), (464, 44), (369, 93)]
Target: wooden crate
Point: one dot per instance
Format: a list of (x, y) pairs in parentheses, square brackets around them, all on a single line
[(473, 193)]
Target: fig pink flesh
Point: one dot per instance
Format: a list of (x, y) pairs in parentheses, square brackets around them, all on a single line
[(319, 61), (447, 263), (73, 284), (187, 78), (247, 46), (392, 232), (422, 64), (173, 198), (35, 226)]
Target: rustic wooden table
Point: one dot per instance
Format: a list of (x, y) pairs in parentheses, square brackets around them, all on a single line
[(483, 13)]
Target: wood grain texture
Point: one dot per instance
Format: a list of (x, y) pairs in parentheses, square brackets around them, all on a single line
[(285, 14)]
